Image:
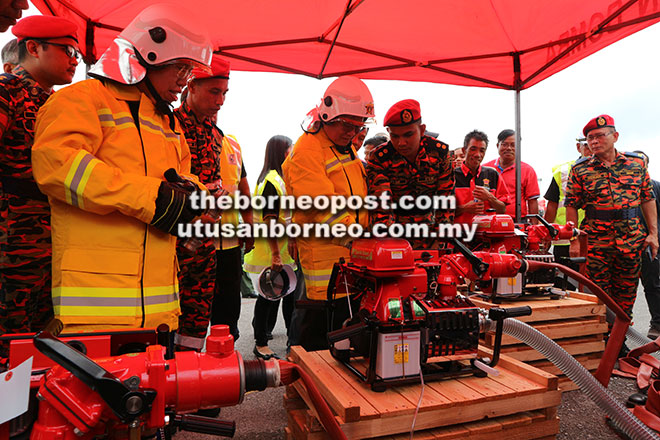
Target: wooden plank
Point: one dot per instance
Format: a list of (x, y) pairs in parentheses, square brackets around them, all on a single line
[(338, 392), (588, 361), (446, 402), (521, 426), (450, 416), (548, 380), (385, 404), (545, 309), (558, 329), (574, 346), (298, 428), (584, 296)]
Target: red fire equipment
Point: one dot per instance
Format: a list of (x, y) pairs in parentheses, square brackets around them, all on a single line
[(411, 320), (149, 393)]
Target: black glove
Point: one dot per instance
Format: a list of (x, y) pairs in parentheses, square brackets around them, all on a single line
[(172, 208)]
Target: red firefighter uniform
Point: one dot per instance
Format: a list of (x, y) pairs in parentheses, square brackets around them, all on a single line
[(25, 249), (611, 197), (431, 174), (316, 167), (101, 163), (197, 268)]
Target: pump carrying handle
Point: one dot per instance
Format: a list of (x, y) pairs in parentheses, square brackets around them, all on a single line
[(126, 404)]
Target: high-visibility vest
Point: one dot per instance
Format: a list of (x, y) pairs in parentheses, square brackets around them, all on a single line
[(231, 160), (260, 257), (560, 173)]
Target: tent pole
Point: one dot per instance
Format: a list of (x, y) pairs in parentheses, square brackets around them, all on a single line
[(518, 157), (517, 87)]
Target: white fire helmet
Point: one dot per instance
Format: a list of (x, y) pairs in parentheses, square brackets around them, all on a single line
[(274, 285), (347, 95), (160, 34)]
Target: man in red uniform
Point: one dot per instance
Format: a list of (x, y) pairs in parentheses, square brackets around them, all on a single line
[(611, 186), (410, 164), (205, 95), (478, 188), (506, 167), (48, 56)]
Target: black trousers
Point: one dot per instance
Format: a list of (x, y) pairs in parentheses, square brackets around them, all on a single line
[(226, 307), (651, 282), (265, 317)]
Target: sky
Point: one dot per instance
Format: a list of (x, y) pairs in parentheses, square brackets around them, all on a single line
[(622, 80)]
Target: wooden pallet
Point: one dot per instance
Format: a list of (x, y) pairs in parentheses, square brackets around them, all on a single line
[(577, 323), (520, 403)]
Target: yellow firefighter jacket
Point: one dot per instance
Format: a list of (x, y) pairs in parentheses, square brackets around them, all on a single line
[(316, 168), (101, 174)]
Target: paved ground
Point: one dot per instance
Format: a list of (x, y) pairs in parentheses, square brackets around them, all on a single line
[(261, 416)]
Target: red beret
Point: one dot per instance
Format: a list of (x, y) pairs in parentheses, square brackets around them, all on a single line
[(219, 69), (403, 113), (44, 27), (598, 122)]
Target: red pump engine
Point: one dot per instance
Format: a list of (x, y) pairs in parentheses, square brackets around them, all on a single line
[(498, 233), (411, 318)]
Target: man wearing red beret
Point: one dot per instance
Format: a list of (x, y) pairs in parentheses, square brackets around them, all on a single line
[(47, 56), (209, 150), (410, 164), (611, 187)]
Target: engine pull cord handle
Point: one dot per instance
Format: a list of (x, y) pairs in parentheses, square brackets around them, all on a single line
[(551, 229), (126, 404), (479, 267), (499, 314)]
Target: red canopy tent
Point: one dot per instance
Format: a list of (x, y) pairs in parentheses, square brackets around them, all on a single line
[(508, 44)]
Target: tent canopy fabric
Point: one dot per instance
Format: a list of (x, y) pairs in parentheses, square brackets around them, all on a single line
[(507, 44)]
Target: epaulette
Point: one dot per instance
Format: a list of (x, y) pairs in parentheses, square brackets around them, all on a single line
[(582, 159), (441, 145), (383, 151), (7, 77), (633, 154)]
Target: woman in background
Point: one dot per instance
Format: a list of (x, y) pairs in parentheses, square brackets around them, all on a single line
[(270, 252)]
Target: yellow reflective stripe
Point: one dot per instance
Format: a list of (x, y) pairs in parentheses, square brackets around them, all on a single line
[(335, 162), (77, 178), (335, 218), (153, 127), (108, 301), (120, 120)]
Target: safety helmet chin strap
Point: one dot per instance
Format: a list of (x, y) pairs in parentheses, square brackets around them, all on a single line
[(161, 105)]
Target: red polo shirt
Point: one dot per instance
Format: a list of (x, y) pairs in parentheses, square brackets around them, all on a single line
[(529, 185), (466, 182)]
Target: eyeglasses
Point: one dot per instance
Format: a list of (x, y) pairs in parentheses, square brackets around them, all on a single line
[(349, 126), (508, 144), (598, 136), (184, 71), (69, 50)]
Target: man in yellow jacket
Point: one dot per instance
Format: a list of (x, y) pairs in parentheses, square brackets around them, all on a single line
[(323, 162), (102, 153)]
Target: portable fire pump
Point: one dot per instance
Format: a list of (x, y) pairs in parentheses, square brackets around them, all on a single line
[(498, 233), (411, 319), (150, 393)]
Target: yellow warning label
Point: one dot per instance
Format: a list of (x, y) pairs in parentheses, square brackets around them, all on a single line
[(512, 281), (401, 353)]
